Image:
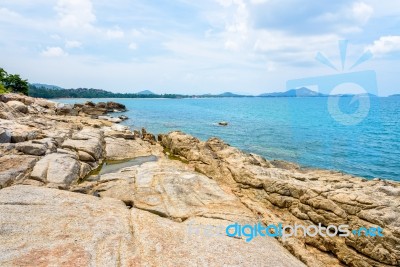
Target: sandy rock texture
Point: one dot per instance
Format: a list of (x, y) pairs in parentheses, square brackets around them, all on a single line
[(284, 192), (79, 190)]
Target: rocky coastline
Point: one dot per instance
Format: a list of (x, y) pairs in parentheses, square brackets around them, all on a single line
[(59, 208)]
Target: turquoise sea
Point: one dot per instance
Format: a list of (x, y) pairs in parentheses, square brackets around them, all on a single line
[(300, 130)]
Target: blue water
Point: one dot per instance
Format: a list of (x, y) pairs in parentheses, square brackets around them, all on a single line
[(294, 129)]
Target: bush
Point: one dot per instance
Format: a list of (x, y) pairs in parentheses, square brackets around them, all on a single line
[(3, 90)]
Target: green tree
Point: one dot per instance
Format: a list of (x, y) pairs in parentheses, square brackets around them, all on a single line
[(3, 75), (14, 83)]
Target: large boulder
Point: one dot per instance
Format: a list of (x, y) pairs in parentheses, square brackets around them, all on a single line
[(20, 132), (115, 107), (89, 141), (14, 168), (66, 110), (16, 97), (57, 169), (18, 106), (120, 148), (31, 148)]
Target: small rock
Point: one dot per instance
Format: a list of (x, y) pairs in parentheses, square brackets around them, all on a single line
[(30, 148), (83, 156), (5, 136), (123, 117)]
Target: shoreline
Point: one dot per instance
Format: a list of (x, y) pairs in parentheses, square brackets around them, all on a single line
[(48, 153), (305, 164)]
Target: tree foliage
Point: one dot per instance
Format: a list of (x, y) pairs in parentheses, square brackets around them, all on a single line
[(89, 93), (12, 83)]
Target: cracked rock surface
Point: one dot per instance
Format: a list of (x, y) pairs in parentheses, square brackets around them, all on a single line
[(284, 192), (59, 207)]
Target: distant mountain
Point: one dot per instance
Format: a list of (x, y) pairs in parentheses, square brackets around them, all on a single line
[(396, 95), (48, 86), (351, 95), (146, 92), (301, 92), (229, 94)]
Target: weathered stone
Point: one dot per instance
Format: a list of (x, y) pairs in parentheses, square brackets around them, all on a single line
[(70, 229), (14, 168), (31, 148), (83, 156), (119, 148), (19, 106), (59, 169), (20, 132), (64, 229), (284, 193), (88, 140), (202, 242), (5, 136), (66, 109)]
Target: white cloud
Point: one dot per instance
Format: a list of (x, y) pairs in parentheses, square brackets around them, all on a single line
[(362, 12), (75, 13), (236, 27), (53, 52), (73, 44), (385, 45), (8, 15), (349, 19), (133, 46), (115, 34), (258, 2)]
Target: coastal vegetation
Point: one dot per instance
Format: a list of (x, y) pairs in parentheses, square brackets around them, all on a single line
[(12, 83), (43, 92)]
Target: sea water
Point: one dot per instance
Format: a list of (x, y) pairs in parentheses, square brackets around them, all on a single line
[(300, 130)]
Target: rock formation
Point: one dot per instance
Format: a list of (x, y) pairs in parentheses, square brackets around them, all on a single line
[(285, 193), (63, 209), (76, 189)]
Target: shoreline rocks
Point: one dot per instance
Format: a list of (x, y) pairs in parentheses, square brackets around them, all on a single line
[(52, 189), (304, 197)]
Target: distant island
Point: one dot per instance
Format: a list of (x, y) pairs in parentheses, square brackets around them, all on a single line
[(53, 91)]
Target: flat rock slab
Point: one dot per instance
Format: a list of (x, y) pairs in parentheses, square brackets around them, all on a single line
[(57, 168), (49, 227), (163, 242), (89, 141), (14, 167), (171, 188), (119, 148)]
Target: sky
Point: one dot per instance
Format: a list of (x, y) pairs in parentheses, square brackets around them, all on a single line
[(195, 47)]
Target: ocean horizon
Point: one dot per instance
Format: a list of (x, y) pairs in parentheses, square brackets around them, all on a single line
[(299, 130)]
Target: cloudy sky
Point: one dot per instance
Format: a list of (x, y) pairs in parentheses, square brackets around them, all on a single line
[(183, 46)]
